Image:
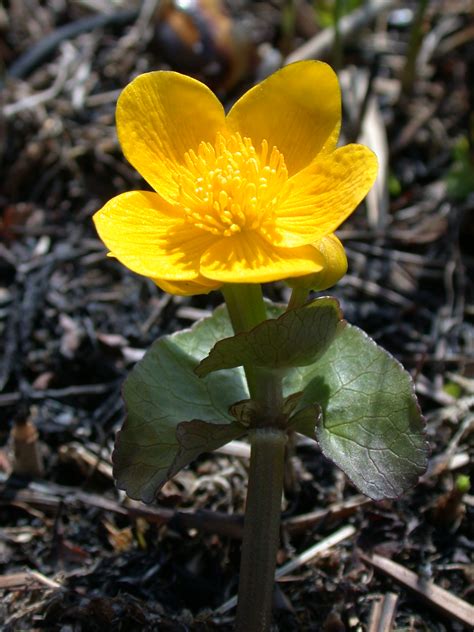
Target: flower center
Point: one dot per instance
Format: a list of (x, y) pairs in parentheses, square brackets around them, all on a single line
[(229, 187)]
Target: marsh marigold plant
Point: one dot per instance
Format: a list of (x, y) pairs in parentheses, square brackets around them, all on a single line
[(238, 200), (251, 197)]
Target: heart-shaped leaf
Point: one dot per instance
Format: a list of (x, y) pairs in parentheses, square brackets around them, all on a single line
[(371, 425), (297, 338), (161, 393), (196, 436)]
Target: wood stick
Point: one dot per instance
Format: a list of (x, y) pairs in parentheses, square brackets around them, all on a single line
[(301, 523), (27, 579), (435, 596), (48, 498), (382, 615)]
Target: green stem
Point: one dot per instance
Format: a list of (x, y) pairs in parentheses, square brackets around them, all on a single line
[(416, 39), (262, 515), (298, 297), (261, 530), (337, 50), (288, 25), (246, 310), (245, 305)]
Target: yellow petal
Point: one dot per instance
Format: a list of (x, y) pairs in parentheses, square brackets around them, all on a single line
[(335, 266), (160, 116), (142, 231), (319, 198), (249, 258), (200, 285), (297, 109)]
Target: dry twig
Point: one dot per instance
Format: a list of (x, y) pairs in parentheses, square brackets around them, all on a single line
[(435, 596)]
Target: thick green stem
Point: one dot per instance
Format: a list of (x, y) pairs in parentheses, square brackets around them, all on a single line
[(261, 530), (245, 305), (262, 516), (247, 310)]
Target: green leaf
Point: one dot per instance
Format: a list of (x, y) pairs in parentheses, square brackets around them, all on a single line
[(305, 421), (249, 412), (245, 412), (297, 338), (196, 436), (371, 426), (172, 414)]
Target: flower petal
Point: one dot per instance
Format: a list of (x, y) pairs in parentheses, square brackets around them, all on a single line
[(335, 266), (200, 285), (160, 116), (249, 258), (142, 231), (297, 109), (324, 194)]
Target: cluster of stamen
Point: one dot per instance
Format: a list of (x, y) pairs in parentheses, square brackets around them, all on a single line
[(228, 187)]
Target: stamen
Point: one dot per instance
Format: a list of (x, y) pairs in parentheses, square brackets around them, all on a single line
[(229, 187)]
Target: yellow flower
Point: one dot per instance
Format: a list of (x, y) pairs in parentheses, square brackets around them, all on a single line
[(242, 198)]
